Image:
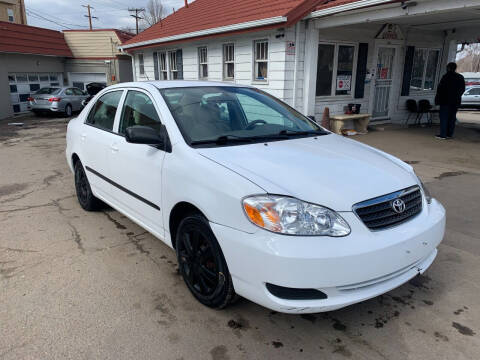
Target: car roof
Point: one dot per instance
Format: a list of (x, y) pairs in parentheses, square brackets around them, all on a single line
[(168, 84)]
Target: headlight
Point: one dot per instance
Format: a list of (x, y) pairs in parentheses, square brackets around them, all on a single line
[(286, 215), (427, 194)]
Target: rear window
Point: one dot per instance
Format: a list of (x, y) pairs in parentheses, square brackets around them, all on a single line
[(49, 91)]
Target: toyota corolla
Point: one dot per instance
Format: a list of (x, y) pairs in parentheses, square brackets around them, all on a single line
[(255, 198)]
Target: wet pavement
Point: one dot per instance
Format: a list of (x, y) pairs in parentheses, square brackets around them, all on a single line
[(83, 285)]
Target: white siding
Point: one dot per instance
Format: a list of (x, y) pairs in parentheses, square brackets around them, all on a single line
[(276, 84)]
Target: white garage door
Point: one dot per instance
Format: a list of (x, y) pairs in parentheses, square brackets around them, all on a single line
[(79, 80), (22, 85)]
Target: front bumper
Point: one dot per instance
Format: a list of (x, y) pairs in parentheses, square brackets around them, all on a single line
[(351, 269)]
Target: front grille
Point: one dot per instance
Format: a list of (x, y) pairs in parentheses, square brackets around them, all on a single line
[(378, 213)]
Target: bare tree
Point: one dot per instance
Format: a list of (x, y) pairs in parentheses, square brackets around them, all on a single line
[(153, 13), (469, 58)]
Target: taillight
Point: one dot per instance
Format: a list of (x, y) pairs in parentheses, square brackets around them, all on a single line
[(30, 99), (54, 99)]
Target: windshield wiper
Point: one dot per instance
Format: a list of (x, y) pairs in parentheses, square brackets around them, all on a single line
[(301, 133), (224, 139)]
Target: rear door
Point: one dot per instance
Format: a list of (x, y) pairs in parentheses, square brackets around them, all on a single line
[(97, 137), (136, 169)]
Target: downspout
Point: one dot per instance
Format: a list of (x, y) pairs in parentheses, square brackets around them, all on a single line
[(134, 70), (295, 68)]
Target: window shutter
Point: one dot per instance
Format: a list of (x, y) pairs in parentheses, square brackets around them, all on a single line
[(361, 70), (155, 66), (180, 64), (407, 70)]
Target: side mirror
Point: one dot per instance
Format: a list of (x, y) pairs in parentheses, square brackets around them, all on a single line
[(311, 117), (146, 135)]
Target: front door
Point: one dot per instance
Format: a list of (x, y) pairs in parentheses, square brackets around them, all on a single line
[(136, 169), (383, 82), (96, 138)]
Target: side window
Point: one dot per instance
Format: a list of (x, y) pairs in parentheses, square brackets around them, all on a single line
[(103, 112), (138, 109), (69, 92), (77, 92)]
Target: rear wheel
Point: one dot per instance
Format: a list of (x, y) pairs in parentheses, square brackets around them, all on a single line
[(84, 193), (68, 110), (202, 264)]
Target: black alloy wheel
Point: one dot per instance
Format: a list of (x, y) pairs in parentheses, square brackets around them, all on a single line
[(84, 193), (202, 264)]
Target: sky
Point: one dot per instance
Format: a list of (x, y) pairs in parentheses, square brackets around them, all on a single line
[(69, 14)]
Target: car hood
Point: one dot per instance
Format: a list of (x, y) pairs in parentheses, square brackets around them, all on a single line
[(330, 170)]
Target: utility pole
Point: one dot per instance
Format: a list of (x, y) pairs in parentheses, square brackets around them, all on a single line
[(137, 10), (90, 17)]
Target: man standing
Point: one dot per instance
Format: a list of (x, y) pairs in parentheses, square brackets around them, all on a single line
[(449, 97)]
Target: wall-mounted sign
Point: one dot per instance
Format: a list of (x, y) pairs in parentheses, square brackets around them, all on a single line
[(344, 82), (390, 32), (290, 47)]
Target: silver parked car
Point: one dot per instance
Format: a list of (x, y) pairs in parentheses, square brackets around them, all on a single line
[(58, 100), (471, 97)]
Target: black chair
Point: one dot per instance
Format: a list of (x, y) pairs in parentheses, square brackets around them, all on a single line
[(425, 108), (412, 110)]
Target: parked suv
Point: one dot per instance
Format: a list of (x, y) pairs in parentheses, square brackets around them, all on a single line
[(64, 100), (255, 198)]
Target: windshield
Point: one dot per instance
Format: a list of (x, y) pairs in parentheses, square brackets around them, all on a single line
[(230, 115), (48, 90)]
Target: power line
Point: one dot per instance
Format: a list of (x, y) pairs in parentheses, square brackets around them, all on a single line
[(137, 10), (45, 19), (53, 18)]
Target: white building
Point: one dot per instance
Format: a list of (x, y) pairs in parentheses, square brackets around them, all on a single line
[(313, 54)]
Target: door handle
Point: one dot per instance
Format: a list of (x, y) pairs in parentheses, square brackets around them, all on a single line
[(114, 148), (83, 137)]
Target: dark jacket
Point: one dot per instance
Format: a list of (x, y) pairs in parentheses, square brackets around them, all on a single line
[(450, 89)]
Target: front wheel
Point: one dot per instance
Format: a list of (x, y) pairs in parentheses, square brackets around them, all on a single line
[(84, 192), (202, 264)]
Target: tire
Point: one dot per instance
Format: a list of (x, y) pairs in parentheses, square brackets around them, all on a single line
[(202, 264), (68, 110), (85, 196)]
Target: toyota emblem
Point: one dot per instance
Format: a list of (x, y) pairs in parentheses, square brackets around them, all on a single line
[(398, 206)]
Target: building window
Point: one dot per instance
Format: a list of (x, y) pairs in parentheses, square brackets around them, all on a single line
[(229, 61), (424, 70), (261, 60), (163, 66), (11, 16), (202, 63), (141, 64), (335, 69), (172, 56)]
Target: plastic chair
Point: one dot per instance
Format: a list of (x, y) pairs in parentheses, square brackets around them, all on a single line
[(412, 109), (424, 108)]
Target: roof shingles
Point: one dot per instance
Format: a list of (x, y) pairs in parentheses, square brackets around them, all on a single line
[(23, 39), (209, 14)]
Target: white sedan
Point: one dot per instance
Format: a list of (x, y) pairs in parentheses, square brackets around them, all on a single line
[(255, 198), (471, 97)]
